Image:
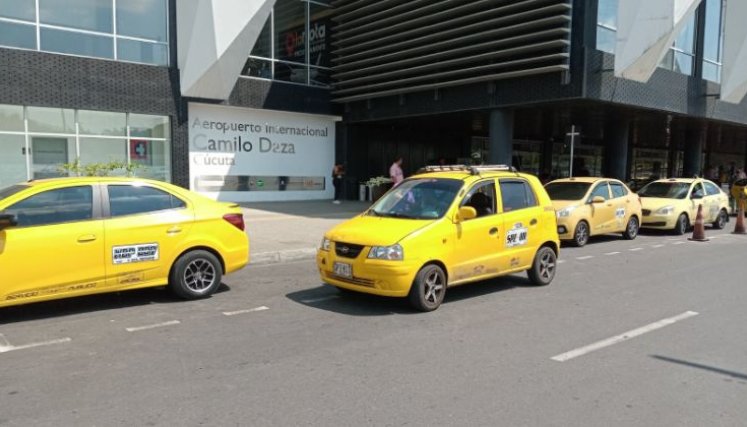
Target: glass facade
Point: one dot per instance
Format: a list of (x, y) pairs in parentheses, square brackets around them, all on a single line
[(713, 43), (294, 44), (35, 142), (607, 25), (681, 54), (131, 30)]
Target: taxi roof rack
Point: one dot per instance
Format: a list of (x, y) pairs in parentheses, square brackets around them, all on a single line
[(473, 170)]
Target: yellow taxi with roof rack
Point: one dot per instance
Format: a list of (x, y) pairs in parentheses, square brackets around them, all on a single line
[(445, 226), (591, 206), (672, 204)]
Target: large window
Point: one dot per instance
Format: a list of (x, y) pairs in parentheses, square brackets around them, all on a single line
[(35, 142), (294, 44), (607, 25), (126, 30), (681, 54), (713, 42)]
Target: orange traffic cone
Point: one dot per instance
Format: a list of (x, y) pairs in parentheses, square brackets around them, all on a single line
[(739, 227), (699, 229)]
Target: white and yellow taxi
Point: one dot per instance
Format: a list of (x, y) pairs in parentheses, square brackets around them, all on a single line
[(592, 206), (444, 227), (672, 204), (67, 237)]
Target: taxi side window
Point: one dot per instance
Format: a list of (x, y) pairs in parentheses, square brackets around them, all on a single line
[(58, 206), (131, 200), (516, 194), (711, 189), (482, 198), (618, 190), (600, 190), (698, 191)]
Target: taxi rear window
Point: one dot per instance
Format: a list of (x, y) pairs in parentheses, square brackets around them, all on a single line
[(567, 190), (13, 189)]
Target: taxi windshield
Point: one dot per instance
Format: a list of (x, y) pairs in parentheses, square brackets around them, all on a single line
[(420, 198), (666, 190), (567, 190), (9, 191)]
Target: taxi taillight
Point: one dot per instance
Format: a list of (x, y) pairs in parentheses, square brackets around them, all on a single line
[(237, 220)]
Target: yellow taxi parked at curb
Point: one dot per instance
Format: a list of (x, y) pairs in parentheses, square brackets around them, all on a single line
[(672, 204), (78, 236), (446, 226), (592, 206)]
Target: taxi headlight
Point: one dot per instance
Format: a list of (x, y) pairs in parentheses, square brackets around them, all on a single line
[(325, 244), (666, 210), (565, 212), (392, 253)]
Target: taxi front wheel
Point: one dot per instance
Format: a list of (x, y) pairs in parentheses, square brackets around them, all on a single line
[(428, 289), (196, 274), (543, 267)]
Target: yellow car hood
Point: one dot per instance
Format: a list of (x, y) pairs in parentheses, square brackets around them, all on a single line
[(654, 203), (376, 231), (561, 204)]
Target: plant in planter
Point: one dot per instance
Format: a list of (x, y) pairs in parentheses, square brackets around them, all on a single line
[(377, 186)]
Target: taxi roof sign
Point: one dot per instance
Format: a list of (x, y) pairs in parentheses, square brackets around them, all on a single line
[(473, 170)]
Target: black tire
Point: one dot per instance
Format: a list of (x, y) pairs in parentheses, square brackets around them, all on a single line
[(631, 230), (681, 226), (544, 266), (720, 222), (196, 274), (581, 234), (428, 289)]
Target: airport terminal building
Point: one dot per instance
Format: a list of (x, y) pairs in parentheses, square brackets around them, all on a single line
[(254, 100)]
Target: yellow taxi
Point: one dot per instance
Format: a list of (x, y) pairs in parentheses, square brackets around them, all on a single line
[(67, 237), (446, 226), (591, 206), (672, 204)]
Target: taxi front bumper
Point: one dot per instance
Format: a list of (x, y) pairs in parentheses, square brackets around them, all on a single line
[(371, 276), (566, 227), (660, 222)]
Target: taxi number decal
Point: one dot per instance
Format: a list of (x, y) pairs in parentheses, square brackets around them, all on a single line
[(620, 212), (516, 237), (135, 253)]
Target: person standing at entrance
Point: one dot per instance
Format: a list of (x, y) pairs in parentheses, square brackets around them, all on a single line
[(395, 171), (337, 173)]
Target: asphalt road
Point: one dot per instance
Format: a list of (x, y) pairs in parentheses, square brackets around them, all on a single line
[(276, 348)]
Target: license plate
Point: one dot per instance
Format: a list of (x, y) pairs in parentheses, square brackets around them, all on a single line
[(343, 269)]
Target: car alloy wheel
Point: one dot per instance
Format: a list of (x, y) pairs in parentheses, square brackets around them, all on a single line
[(581, 235), (428, 290), (544, 267), (199, 275), (720, 221), (631, 231), (681, 227), (196, 274)]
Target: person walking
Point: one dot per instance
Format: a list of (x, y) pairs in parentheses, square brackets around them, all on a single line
[(395, 171), (338, 171)]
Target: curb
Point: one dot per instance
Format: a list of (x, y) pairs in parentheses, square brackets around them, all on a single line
[(277, 257)]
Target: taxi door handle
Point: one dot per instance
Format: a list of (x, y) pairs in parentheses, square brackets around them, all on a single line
[(494, 231), (533, 221), (87, 238), (174, 230)]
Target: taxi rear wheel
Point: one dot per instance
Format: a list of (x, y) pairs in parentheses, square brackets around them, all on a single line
[(631, 231), (196, 274), (581, 234), (544, 266), (428, 289), (720, 222)]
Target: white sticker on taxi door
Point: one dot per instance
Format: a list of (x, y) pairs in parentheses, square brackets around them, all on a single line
[(135, 253)]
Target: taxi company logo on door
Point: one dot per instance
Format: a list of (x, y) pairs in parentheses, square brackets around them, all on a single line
[(135, 253)]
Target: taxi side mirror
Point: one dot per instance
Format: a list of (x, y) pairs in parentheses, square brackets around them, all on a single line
[(466, 213), (597, 199), (7, 220)]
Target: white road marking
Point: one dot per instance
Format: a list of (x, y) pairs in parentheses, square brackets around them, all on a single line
[(679, 243), (251, 310), (622, 337), (6, 346), (635, 249), (313, 300), (581, 258), (657, 246), (612, 253), (157, 325), (560, 261)]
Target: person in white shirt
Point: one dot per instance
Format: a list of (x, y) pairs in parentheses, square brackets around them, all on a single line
[(395, 171)]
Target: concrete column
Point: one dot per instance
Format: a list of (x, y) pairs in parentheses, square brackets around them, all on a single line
[(617, 136), (501, 129), (694, 142)]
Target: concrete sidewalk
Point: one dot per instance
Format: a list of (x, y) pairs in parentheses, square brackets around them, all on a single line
[(288, 231)]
